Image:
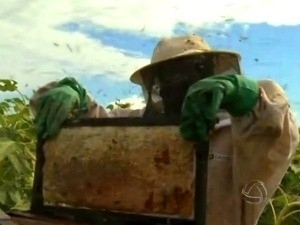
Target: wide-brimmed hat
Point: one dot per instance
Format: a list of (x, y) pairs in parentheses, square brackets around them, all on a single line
[(169, 49)]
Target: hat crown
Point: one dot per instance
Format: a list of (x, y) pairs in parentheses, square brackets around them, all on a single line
[(169, 48), (172, 48)]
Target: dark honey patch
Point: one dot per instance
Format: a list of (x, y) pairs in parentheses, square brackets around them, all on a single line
[(74, 158), (149, 203), (64, 193), (163, 158), (117, 202), (180, 197), (88, 185), (99, 192)]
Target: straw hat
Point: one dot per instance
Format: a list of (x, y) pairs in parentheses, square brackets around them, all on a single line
[(168, 49)]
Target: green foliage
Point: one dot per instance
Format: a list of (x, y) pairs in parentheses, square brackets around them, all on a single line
[(17, 146), (8, 85), (284, 207)]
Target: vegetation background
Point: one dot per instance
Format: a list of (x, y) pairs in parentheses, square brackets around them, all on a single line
[(17, 160)]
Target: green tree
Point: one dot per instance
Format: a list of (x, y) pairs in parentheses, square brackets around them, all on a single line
[(17, 146)]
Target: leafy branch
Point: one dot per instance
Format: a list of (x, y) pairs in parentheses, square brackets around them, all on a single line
[(17, 145)]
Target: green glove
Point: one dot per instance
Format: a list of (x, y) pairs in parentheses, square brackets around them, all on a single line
[(234, 93), (57, 104)]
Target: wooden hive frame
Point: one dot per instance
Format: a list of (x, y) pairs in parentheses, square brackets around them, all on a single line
[(107, 217)]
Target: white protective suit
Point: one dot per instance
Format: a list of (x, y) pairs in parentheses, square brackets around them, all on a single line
[(255, 147)]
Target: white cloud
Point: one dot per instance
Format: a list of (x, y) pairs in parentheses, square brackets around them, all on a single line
[(31, 56), (159, 17), (28, 53)]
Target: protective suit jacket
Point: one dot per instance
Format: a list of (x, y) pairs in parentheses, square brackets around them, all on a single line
[(249, 155)]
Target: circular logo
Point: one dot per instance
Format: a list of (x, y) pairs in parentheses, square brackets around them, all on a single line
[(254, 192)]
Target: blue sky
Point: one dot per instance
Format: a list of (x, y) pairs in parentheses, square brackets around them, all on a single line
[(102, 43)]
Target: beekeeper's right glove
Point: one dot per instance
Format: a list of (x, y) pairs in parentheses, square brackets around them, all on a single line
[(55, 105), (234, 93)]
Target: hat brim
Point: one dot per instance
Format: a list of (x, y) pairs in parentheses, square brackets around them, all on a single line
[(137, 78)]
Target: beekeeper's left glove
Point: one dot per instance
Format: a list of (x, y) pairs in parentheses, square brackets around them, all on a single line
[(56, 104)]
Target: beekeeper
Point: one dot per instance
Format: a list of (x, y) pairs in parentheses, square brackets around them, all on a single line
[(251, 145)]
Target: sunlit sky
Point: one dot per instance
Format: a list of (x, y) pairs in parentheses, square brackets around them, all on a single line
[(101, 43)]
